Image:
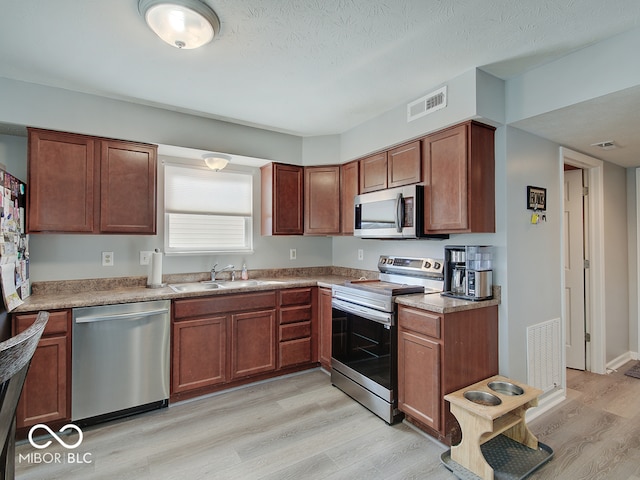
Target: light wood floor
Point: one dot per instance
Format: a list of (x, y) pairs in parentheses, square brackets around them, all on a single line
[(300, 427)]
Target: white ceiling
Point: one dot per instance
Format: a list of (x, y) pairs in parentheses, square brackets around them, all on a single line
[(317, 67)]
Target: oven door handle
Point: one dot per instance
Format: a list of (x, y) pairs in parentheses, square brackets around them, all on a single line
[(373, 315)]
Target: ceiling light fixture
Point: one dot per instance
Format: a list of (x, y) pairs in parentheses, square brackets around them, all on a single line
[(181, 23), (216, 161)]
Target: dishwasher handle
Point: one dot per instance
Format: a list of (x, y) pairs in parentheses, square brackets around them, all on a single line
[(120, 316)]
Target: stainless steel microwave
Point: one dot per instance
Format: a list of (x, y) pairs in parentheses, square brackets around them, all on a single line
[(392, 213)]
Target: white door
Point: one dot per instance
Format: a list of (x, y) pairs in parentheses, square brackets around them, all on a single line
[(574, 269)]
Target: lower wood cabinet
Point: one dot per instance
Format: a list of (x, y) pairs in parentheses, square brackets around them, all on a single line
[(439, 354), (226, 340), (295, 331), (46, 395), (199, 353), (324, 321), (253, 342), (419, 368)]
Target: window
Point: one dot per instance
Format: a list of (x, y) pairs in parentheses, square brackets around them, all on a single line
[(207, 211)]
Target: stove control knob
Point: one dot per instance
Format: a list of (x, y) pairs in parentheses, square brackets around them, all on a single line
[(436, 265), (427, 264)]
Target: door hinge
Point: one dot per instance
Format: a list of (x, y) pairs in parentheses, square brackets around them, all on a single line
[(587, 337), (587, 264), (585, 191)]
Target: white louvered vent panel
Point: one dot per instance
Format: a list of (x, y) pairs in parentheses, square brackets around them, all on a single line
[(427, 104), (544, 355)]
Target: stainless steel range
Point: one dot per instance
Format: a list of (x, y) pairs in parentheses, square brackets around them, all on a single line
[(364, 333)]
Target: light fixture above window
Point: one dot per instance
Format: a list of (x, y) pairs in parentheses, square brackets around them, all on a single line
[(181, 23), (216, 161)]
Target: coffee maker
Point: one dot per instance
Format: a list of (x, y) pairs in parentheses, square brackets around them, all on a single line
[(468, 272)]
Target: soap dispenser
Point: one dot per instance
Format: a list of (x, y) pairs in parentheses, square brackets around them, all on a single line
[(245, 274)]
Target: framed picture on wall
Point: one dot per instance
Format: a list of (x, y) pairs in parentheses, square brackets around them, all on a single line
[(536, 198)]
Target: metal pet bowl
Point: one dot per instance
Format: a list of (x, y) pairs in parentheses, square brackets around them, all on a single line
[(505, 388), (482, 398)]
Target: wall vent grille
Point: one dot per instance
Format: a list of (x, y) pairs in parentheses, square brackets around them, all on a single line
[(544, 355), (428, 104)]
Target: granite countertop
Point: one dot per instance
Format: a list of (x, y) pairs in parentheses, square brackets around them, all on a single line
[(434, 302), (91, 292), (60, 299)]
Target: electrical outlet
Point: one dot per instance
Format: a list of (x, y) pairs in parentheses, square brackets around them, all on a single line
[(292, 254), (360, 254), (145, 257), (107, 259)]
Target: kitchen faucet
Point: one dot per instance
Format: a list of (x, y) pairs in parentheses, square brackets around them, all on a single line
[(215, 272)]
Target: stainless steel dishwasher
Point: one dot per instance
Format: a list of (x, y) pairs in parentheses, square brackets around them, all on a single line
[(120, 360)]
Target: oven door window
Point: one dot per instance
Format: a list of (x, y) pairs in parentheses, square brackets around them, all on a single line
[(365, 346)]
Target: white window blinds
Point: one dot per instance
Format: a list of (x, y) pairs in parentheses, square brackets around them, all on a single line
[(207, 211)]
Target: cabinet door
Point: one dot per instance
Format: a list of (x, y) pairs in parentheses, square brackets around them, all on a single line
[(253, 343), (62, 179), (373, 173), (404, 165), (325, 316), (459, 177), (445, 178), (127, 187), (322, 200), (419, 378), (45, 395), (282, 199), (349, 188), (199, 353)]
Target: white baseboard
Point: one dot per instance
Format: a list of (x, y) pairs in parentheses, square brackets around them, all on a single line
[(546, 403), (621, 360)]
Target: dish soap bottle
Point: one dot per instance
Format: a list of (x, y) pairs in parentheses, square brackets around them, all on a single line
[(245, 274)]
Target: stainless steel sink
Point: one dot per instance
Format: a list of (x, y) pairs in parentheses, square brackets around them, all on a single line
[(219, 284), (193, 287), (243, 283)]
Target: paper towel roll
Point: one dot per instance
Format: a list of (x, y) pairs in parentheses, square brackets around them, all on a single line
[(155, 272)]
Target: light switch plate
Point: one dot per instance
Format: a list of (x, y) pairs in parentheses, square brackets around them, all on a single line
[(145, 257), (292, 254)]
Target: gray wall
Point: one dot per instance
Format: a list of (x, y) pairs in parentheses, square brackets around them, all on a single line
[(616, 261), (528, 257)]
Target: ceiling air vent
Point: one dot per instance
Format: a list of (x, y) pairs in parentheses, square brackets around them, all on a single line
[(427, 104), (607, 145)]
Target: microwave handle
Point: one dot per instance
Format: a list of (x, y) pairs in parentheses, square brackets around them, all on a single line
[(399, 212)]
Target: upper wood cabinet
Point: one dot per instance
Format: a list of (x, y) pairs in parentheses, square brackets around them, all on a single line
[(393, 168), (62, 179), (322, 200), (403, 165), (349, 188), (127, 187), (84, 184), (373, 173), (459, 178), (282, 199)]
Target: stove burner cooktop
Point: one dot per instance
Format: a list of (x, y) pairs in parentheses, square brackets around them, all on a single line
[(384, 288)]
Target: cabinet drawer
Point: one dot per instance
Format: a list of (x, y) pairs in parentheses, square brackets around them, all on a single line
[(57, 324), (419, 321), (294, 352), (295, 314), (295, 330), (223, 303), (295, 296)]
